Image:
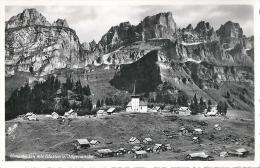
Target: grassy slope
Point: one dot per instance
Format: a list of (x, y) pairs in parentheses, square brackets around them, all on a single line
[(47, 135)]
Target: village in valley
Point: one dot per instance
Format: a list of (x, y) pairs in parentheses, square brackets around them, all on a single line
[(146, 92), (205, 121)]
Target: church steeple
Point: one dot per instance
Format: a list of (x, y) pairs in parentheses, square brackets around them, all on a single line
[(134, 90)]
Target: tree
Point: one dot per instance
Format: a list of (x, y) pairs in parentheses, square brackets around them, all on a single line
[(31, 70), (194, 105), (202, 105), (102, 103), (228, 95), (87, 103), (222, 108), (98, 104), (69, 83), (86, 90)]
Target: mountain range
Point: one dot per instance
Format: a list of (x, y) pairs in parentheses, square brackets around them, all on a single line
[(154, 53)]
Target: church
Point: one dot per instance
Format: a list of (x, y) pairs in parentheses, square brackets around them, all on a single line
[(136, 105)]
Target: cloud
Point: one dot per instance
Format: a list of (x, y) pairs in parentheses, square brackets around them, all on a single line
[(91, 22)]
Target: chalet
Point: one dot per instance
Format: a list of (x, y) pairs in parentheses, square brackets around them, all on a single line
[(199, 156), (94, 142), (71, 114), (217, 127), (134, 140), (212, 112), (197, 131), (136, 105), (111, 110), (147, 140), (159, 148), (137, 148), (241, 152), (140, 154), (168, 146), (223, 154), (82, 143), (55, 115), (185, 131), (196, 139), (156, 109), (101, 113), (184, 111), (30, 116), (105, 153)]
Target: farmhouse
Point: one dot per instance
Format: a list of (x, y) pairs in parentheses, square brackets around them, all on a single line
[(71, 114), (105, 153), (82, 143), (54, 115), (94, 142), (184, 111), (111, 110), (136, 105), (30, 116), (134, 140), (212, 112), (101, 113), (140, 154), (197, 131), (147, 140), (156, 109)]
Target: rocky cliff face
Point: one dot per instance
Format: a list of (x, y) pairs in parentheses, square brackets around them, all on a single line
[(33, 43), (161, 25), (28, 17)]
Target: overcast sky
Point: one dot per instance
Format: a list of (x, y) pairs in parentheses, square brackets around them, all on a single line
[(91, 22)]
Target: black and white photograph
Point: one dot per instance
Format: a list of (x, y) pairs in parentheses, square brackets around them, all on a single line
[(130, 82)]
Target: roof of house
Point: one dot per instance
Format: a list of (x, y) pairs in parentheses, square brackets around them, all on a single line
[(199, 154), (83, 141), (104, 151), (111, 109), (198, 129), (212, 113), (132, 139), (184, 108), (100, 111), (94, 141), (141, 152), (29, 114), (156, 108), (148, 139), (54, 113), (71, 111), (241, 150), (136, 148)]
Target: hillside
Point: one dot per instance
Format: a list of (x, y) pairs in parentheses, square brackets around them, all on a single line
[(48, 136)]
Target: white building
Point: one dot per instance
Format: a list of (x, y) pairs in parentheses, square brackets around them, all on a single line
[(135, 105), (184, 111)]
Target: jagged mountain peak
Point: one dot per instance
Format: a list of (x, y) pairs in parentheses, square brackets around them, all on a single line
[(61, 23), (189, 27), (28, 17), (203, 26), (230, 29)]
